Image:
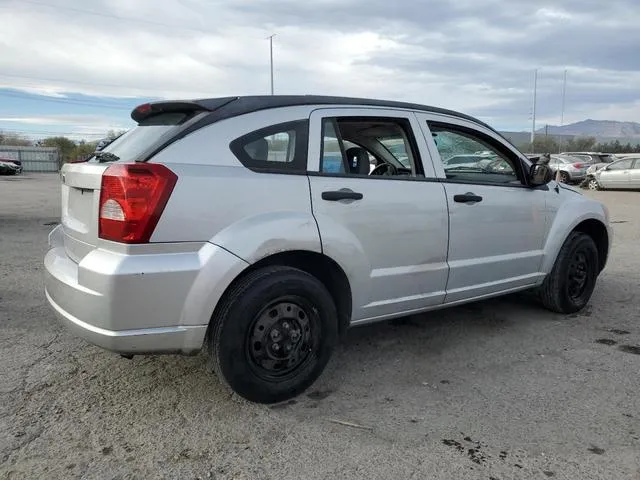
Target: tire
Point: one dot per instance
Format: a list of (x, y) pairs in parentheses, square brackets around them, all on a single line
[(560, 292), (593, 184), (273, 306), (564, 177)]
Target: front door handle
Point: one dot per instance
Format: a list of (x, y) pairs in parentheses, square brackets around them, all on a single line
[(345, 194), (467, 198)]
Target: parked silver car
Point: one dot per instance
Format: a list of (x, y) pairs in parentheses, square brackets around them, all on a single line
[(569, 169), (622, 174), (229, 223), (594, 160)]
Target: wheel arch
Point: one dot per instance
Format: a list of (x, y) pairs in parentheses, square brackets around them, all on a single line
[(579, 215), (598, 232), (322, 267)]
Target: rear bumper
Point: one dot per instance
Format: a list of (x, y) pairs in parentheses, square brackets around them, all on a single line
[(178, 339), (153, 303)]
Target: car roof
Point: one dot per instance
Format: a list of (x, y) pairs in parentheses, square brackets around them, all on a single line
[(227, 107)]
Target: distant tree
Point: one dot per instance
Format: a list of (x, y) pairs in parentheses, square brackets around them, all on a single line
[(541, 144), (545, 144), (616, 147), (84, 150), (14, 139), (66, 147), (113, 134), (580, 144)]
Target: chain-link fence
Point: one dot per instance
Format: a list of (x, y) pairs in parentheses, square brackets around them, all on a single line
[(34, 159)]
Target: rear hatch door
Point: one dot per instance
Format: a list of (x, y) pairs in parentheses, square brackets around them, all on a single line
[(81, 181)]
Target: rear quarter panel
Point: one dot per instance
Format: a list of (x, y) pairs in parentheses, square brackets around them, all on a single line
[(217, 199)]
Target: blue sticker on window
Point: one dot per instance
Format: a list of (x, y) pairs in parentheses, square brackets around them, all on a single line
[(332, 164)]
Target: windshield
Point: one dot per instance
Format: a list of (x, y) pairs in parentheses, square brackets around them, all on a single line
[(396, 146), (136, 140), (605, 158)]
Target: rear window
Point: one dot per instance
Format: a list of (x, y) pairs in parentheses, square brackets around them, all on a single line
[(131, 144)]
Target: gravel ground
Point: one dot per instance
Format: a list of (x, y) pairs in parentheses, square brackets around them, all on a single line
[(495, 390)]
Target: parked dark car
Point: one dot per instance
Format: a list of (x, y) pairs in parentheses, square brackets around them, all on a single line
[(9, 166)]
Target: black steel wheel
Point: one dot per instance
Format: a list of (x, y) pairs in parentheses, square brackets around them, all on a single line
[(273, 334), (282, 337), (570, 284)]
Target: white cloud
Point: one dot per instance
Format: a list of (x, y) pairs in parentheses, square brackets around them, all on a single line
[(553, 14)]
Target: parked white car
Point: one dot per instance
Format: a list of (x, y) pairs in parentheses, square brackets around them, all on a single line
[(227, 223), (621, 174)]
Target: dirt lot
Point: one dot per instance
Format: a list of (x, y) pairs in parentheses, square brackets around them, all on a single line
[(496, 390)]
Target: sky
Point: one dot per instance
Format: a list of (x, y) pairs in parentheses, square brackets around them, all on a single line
[(78, 67)]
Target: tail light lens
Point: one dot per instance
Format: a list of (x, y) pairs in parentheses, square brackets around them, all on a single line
[(132, 198), (578, 165)]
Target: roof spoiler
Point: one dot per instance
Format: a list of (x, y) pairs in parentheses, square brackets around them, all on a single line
[(147, 110)]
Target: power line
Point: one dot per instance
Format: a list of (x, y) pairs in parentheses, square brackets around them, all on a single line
[(47, 132), (78, 82), (118, 17), (64, 100)]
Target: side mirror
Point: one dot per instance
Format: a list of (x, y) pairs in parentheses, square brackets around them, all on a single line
[(540, 174)]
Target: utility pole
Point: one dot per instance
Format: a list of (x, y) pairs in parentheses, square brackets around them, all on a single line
[(270, 37), (564, 94), (535, 93)]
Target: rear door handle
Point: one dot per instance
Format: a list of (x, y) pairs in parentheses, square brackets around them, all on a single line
[(467, 198), (345, 194)]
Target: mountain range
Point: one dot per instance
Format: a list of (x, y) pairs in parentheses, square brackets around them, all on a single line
[(596, 128)]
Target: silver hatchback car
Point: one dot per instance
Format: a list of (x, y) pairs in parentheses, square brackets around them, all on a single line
[(569, 169), (255, 226)]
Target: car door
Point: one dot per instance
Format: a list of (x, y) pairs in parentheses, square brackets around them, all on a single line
[(617, 175), (497, 224), (634, 174), (389, 232)]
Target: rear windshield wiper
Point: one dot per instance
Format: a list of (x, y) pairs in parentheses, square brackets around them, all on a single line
[(104, 157)]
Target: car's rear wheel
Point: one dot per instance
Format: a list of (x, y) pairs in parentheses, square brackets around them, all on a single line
[(273, 334), (570, 284), (564, 177)]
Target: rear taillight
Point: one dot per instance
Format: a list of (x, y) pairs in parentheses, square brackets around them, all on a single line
[(578, 165), (132, 198)]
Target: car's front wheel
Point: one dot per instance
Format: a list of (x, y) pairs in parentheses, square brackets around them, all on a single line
[(570, 284), (593, 184), (273, 334)]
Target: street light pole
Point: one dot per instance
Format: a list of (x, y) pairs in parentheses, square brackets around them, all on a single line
[(271, 59), (535, 93), (564, 95)]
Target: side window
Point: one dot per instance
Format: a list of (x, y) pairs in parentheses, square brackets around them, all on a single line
[(621, 165), (332, 155), (281, 147), (368, 146), (469, 156)]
